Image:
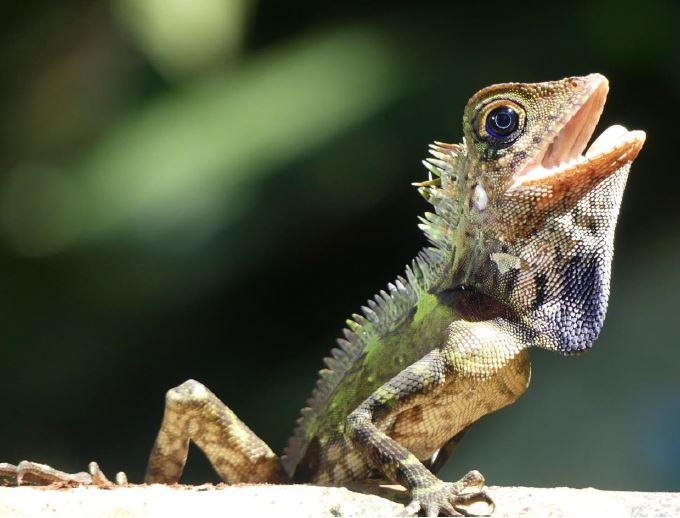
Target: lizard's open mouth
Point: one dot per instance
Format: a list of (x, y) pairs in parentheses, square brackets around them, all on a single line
[(566, 152)]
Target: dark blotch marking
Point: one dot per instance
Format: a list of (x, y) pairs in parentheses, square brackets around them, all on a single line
[(379, 408), (448, 297), (510, 394), (585, 294), (559, 256), (411, 416), (531, 336), (511, 277), (474, 306), (406, 474), (582, 304), (591, 225), (520, 155), (309, 465), (541, 282)]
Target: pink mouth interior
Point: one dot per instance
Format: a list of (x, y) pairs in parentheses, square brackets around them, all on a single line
[(571, 141), (567, 148)]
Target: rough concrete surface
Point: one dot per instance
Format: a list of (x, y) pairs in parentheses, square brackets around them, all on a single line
[(301, 501)]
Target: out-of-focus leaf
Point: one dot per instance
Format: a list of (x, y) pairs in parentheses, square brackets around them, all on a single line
[(186, 157), (181, 38)]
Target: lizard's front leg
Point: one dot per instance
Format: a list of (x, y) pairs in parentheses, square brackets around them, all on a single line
[(194, 413), (408, 389)]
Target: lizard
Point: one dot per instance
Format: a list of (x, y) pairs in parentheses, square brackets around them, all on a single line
[(520, 251)]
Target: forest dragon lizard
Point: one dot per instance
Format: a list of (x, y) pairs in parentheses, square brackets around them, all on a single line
[(522, 241)]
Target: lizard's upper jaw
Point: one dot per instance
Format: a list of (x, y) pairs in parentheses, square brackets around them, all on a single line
[(564, 151)]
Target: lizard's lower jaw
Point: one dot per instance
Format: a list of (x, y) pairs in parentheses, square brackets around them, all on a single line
[(567, 154), (613, 149)]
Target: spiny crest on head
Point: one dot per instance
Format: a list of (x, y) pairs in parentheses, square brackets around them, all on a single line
[(441, 190)]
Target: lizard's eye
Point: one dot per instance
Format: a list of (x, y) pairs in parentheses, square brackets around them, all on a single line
[(500, 122)]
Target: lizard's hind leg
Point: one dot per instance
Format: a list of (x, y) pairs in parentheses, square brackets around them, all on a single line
[(194, 413), (35, 474)]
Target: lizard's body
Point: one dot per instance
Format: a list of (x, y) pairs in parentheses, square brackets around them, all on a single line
[(381, 349), (522, 236)]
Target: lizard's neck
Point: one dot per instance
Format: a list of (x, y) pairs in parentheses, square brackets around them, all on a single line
[(463, 205)]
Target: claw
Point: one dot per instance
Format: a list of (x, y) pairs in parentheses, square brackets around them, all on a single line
[(98, 477), (121, 478), (466, 497), (472, 482), (474, 504)]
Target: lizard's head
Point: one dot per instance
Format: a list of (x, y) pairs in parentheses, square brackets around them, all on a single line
[(531, 208), (524, 136)]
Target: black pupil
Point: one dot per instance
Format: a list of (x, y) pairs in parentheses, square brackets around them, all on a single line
[(502, 121)]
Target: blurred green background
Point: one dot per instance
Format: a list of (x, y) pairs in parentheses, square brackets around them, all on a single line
[(206, 190)]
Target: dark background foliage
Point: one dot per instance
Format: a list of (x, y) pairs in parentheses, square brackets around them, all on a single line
[(207, 189)]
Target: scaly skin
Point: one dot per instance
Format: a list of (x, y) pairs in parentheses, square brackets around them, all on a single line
[(522, 247)]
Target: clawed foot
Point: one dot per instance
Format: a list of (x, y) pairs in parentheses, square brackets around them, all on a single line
[(463, 498), (34, 474)]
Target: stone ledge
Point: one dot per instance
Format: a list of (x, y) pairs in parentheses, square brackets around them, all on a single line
[(301, 501)]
